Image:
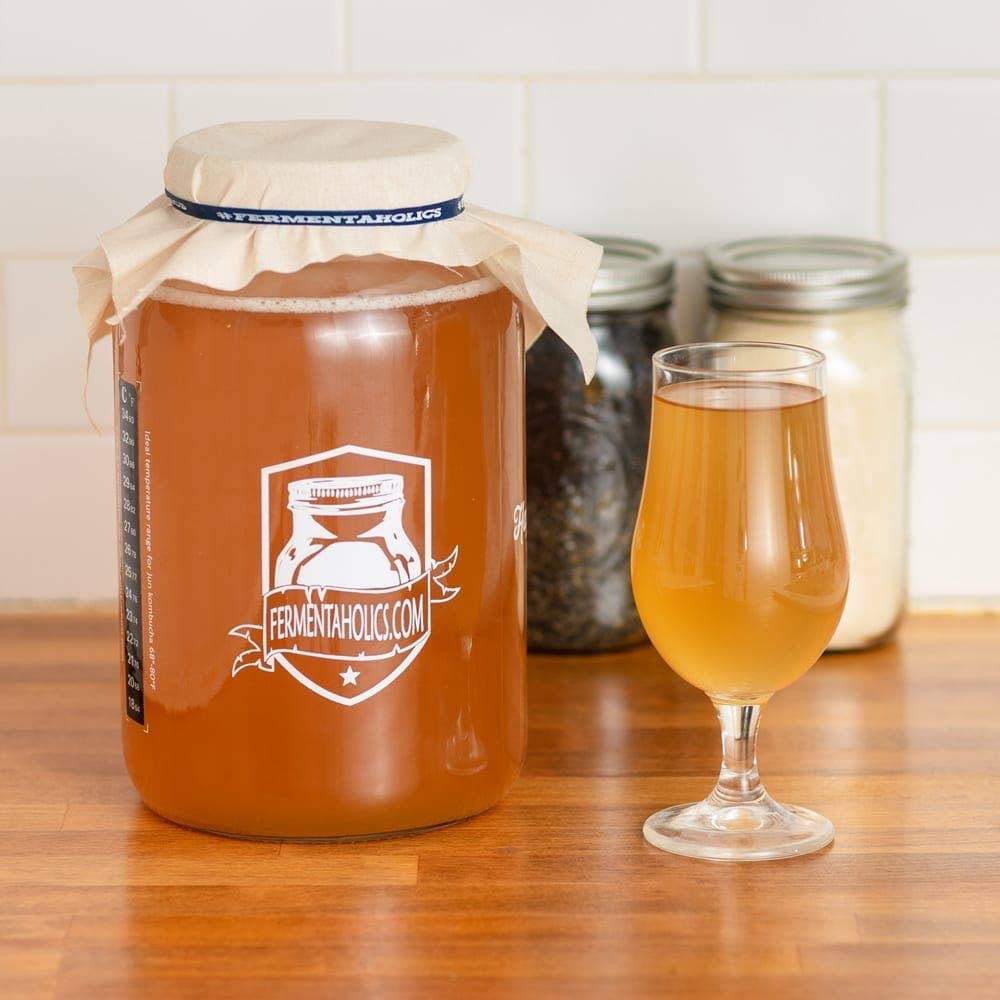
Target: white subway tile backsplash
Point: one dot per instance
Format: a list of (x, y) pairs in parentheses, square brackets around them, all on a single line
[(523, 36), (954, 325), (46, 350), (829, 36), (955, 550), (58, 512), (76, 160), (690, 302), (943, 161), (120, 37), (682, 121), (685, 164), (487, 116)]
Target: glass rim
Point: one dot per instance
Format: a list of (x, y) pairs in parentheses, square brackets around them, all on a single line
[(816, 362)]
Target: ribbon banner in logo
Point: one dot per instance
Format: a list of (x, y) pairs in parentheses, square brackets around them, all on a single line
[(337, 623)]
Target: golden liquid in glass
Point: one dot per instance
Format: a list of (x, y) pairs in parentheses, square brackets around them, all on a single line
[(739, 564)]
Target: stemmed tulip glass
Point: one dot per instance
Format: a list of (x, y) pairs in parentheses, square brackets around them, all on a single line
[(739, 567)]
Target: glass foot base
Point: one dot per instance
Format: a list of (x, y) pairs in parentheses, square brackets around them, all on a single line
[(761, 830)]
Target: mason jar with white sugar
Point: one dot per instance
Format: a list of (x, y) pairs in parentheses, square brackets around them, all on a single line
[(844, 297)]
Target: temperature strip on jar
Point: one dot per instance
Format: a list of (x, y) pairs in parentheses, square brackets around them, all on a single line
[(131, 571)]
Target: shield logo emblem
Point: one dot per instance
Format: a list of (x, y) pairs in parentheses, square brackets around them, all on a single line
[(348, 579)]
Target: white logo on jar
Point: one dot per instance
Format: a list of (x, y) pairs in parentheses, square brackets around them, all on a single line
[(520, 521), (347, 597)]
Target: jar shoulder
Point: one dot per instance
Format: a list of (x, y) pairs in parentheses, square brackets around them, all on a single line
[(626, 343)]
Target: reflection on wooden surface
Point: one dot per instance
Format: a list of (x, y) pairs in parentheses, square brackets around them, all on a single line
[(555, 889)]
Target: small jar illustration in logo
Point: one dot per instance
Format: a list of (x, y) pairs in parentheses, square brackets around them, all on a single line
[(347, 602), (347, 532)]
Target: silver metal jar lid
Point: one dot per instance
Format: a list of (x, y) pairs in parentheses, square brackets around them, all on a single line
[(805, 274), (633, 275)]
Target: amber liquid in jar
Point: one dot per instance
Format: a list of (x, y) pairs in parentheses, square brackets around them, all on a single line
[(333, 368)]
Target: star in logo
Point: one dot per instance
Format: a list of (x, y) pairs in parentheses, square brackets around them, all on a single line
[(351, 676)]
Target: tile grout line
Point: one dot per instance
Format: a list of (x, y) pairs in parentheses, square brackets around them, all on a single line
[(928, 252), (930, 428), (701, 35), (66, 256), (75, 432), (881, 160), (345, 38), (172, 112), (973, 604), (4, 373), (956, 75), (78, 431), (960, 255), (945, 253), (527, 195)]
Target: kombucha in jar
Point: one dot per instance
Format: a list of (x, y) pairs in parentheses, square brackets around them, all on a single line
[(322, 532), (325, 584)]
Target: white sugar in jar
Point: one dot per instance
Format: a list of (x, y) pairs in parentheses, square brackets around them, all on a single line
[(845, 298)]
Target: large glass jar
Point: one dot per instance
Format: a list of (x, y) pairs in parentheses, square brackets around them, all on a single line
[(319, 347), (322, 474), (587, 455), (844, 297)]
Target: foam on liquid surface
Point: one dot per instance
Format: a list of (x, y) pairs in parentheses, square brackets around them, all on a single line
[(729, 394), (233, 301)]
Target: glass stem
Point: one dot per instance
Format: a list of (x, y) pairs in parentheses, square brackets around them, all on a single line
[(739, 783)]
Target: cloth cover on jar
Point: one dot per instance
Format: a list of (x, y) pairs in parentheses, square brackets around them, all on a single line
[(377, 170)]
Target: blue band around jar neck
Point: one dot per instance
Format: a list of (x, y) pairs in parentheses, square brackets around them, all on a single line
[(414, 216)]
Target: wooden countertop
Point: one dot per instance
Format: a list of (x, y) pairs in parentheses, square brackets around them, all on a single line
[(555, 890)]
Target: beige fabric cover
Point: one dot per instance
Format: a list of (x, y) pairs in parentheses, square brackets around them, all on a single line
[(330, 166)]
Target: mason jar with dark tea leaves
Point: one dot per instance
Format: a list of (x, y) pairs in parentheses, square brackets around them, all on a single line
[(586, 454)]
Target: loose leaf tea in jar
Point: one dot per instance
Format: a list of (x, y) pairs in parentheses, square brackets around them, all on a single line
[(319, 360), (587, 454)]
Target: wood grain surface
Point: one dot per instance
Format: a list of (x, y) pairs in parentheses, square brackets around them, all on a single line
[(554, 892)]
